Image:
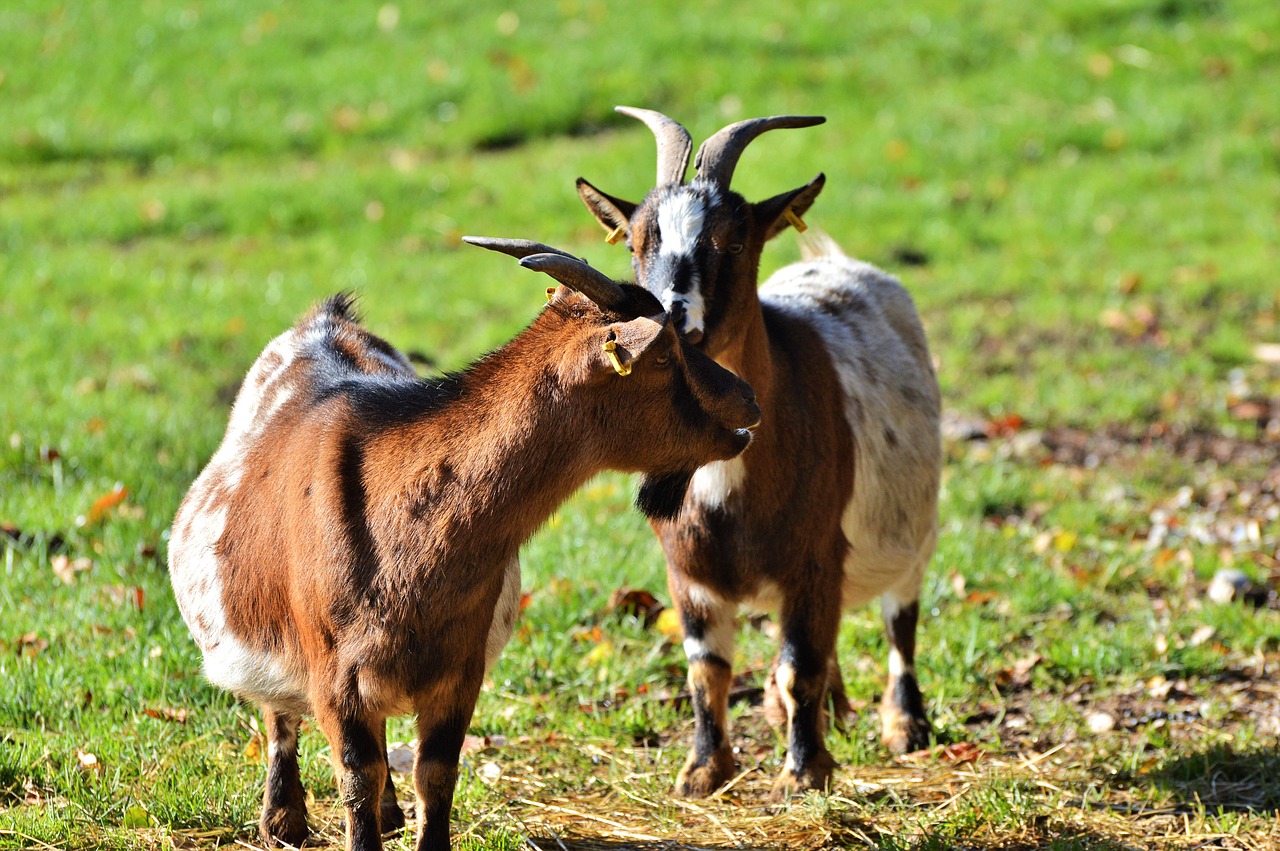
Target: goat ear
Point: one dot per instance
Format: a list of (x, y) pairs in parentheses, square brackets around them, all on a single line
[(613, 213), (629, 341), (772, 213)]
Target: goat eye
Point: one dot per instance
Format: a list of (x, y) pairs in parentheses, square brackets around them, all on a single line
[(662, 360), (735, 248)]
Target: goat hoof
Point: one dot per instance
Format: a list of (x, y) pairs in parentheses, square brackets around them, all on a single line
[(392, 818), (901, 733), (280, 826), (698, 780), (775, 711), (815, 776)]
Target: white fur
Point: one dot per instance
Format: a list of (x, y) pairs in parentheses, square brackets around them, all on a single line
[(785, 677), (703, 597), (713, 484), (680, 220), (890, 520), (722, 624), (193, 559), (897, 666), (504, 616)]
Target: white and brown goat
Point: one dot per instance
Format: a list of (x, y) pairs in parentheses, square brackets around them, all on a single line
[(836, 500), (350, 551)]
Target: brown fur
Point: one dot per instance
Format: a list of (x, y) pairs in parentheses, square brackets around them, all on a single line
[(789, 527), (366, 540)]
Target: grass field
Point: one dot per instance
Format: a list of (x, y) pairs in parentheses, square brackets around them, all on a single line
[(1082, 196)]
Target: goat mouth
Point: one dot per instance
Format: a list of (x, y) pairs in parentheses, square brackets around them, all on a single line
[(745, 435)]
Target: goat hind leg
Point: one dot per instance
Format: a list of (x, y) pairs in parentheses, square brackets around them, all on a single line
[(284, 802), (392, 816), (904, 725), (360, 765)]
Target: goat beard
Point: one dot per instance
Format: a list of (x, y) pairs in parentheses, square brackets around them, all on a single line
[(661, 495)]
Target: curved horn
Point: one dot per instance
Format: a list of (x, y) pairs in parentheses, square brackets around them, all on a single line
[(577, 275), (718, 156), (517, 248), (674, 143)]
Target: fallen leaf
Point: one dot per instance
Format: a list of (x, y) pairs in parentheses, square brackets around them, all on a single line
[(667, 624), (472, 744), (67, 569), (961, 752), (31, 643), (253, 750), (103, 506), (1201, 634), (166, 713), (88, 761), (958, 752), (1064, 541), (127, 595), (599, 654), (137, 817), (1004, 426), (637, 602)]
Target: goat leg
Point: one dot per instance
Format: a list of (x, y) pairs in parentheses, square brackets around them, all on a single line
[(359, 765), (390, 813), (443, 714), (284, 802), (709, 626), (809, 625), (904, 725)]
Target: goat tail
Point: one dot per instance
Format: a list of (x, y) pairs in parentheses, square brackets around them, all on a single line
[(815, 243)]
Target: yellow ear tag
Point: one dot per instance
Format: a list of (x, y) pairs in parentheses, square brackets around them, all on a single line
[(610, 348), (616, 234), (551, 292), (795, 221)]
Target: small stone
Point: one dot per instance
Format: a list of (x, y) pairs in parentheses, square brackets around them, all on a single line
[(1100, 722), (1228, 584)]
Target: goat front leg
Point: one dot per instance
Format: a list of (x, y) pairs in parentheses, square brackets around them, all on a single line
[(284, 802), (904, 725), (443, 714), (709, 625), (810, 619), (836, 702), (359, 764)]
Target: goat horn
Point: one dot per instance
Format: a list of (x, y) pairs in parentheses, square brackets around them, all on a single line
[(517, 248), (674, 143), (718, 156), (577, 275)]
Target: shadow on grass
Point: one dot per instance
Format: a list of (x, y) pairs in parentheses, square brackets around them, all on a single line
[(1220, 778), (1066, 839)]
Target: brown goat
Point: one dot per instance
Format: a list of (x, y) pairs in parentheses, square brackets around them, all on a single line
[(350, 551), (836, 500)]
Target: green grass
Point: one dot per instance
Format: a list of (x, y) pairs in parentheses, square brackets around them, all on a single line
[(1092, 187)]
